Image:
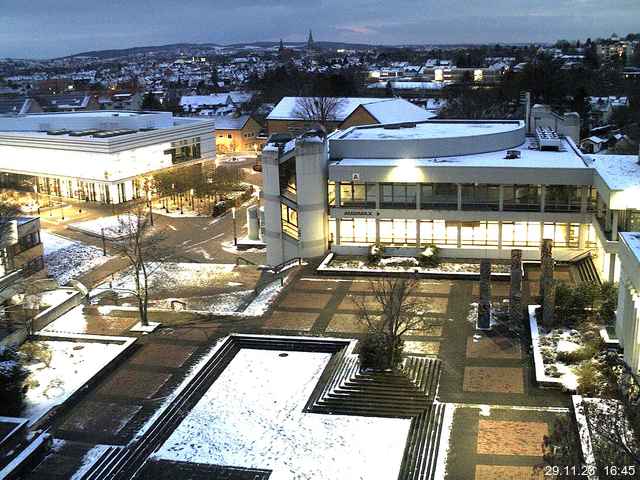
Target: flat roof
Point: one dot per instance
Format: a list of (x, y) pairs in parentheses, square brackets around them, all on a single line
[(91, 113), (430, 130), (619, 172), (529, 158), (632, 239)]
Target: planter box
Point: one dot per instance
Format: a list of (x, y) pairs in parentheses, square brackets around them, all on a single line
[(585, 437), (542, 379), (325, 268)]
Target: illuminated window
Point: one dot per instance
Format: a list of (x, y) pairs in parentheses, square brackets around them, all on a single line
[(398, 231), (358, 195), (332, 230), (438, 75), (439, 232), (331, 194), (184, 150), (357, 230), (563, 234), (477, 75), (289, 221), (521, 234), (479, 233)]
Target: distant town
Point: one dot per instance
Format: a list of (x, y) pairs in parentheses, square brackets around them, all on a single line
[(319, 260)]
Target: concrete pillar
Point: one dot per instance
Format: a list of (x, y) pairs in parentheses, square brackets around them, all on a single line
[(499, 235), (500, 198), (311, 180), (584, 199), (612, 267), (614, 225), (623, 292), (543, 197), (515, 291), (484, 305), (547, 283), (377, 196), (253, 223), (459, 197), (271, 200)]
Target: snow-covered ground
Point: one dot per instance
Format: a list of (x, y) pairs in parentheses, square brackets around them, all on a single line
[(112, 226), (74, 321), (67, 259), (181, 275), (217, 304), (70, 366), (252, 417)]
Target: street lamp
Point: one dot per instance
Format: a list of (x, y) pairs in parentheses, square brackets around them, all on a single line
[(233, 216), (150, 206)]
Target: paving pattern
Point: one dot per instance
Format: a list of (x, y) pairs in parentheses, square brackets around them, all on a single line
[(487, 369)]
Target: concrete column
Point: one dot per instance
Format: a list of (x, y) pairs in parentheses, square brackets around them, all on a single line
[(377, 230), (543, 197), (582, 235), (271, 202), (459, 197), (500, 198), (515, 291), (612, 267), (378, 193), (484, 305), (499, 235), (547, 283), (337, 239), (623, 292), (459, 235), (633, 357), (418, 196), (418, 242), (337, 194), (614, 225)]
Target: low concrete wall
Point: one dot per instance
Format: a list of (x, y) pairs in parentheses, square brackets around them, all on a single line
[(52, 313), (585, 438), (542, 379)]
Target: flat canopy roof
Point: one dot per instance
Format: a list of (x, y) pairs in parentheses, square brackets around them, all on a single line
[(619, 172), (430, 130)]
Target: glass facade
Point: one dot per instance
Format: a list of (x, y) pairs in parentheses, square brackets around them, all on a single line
[(398, 195), (480, 197), (439, 196), (358, 195), (521, 198), (358, 230)]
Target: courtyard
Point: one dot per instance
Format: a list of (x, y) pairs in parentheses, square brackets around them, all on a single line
[(498, 415)]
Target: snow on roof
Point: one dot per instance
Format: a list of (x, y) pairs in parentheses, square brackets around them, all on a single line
[(619, 172), (241, 97), (400, 85), (529, 158), (595, 139), (286, 108), (632, 239), (205, 100), (431, 130), (397, 110), (231, 123)]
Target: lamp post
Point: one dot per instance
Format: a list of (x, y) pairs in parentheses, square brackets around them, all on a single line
[(150, 207), (104, 245), (233, 217)]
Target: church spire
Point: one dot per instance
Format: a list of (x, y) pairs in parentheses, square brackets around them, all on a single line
[(310, 44)]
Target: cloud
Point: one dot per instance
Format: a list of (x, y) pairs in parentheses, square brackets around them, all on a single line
[(48, 28)]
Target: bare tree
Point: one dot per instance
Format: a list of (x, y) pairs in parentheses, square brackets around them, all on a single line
[(322, 110), (145, 251), (394, 311)]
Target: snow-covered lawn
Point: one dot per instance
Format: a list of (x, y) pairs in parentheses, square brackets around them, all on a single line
[(218, 304), (70, 365), (68, 259), (112, 226), (252, 417)]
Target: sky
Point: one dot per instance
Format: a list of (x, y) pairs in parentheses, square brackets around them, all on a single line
[(53, 28)]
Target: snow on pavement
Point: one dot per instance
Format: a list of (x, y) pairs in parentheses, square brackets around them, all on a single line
[(252, 417), (71, 365)]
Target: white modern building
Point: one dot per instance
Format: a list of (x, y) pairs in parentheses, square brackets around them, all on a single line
[(477, 189), (628, 313), (98, 156)]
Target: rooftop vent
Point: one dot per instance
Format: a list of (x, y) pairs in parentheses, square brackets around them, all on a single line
[(548, 139), (397, 126), (512, 154)]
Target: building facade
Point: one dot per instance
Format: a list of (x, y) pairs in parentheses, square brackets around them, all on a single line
[(21, 249), (99, 156), (475, 189)]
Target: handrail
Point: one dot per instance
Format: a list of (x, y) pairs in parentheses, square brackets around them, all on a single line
[(247, 262)]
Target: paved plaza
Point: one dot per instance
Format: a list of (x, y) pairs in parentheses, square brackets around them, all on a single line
[(500, 416)]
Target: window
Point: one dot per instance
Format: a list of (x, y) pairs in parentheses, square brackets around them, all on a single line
[(521, 198), (289, 221), (479, 233), (288, 185), (359, 195), (439, 232), (184, 150), (357, 230), (331, 194), (563, 234), (521, 234), (562, 198), (439, 196), (398, 231), (398, 195), (480, 197)]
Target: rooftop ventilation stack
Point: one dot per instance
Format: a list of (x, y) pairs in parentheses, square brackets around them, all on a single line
[(548, 139)]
